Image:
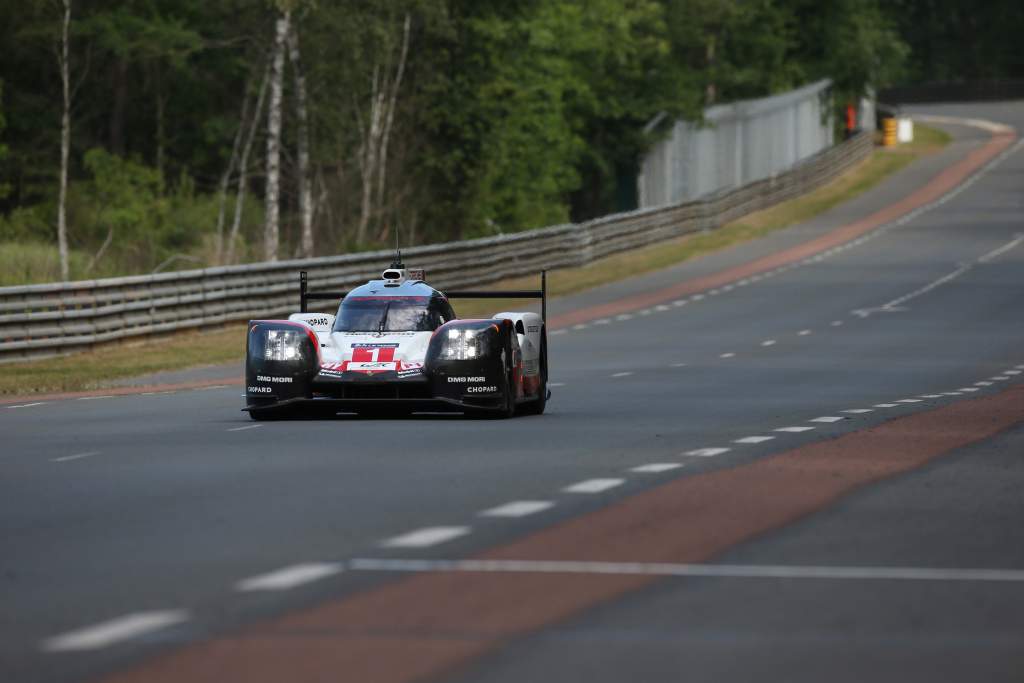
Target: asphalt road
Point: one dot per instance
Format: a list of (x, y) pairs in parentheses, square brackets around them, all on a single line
[(137, 527)]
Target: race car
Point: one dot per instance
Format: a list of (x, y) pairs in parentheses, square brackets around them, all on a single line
[(396, 345)]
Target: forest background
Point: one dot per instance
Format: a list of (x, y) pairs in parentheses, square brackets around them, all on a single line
[(145, 135)]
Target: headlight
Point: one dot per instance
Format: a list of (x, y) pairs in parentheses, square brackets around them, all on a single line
[(283, 345), (461, 345)]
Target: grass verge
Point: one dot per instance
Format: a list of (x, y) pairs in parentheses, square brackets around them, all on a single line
[(93, 369)]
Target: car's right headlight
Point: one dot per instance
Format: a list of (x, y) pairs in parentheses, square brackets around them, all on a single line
[(461, 344)]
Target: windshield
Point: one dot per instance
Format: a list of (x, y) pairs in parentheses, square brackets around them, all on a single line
[(392, 314)]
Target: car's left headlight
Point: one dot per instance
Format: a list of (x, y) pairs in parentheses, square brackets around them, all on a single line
[(461, 344)]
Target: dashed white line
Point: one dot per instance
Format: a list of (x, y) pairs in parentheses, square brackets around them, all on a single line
[(931, 395), (999, 378), (679, 302), (804, 333), (661, 308), (679, 365), (1012, 372), (698, 297), (242, 429), (27, 405), (754, 439), (76, 456), (622, 374), (837, 323), (656, 467), (555, 333), (289, 577), (827, 418), (428, 536), (518, 508), (859, 411), (909, 400), (93, 398), (593, 485), (794, 430), (579, 326), (624, 316), (114, 631), (983, 384), (886, 405), (556, 384), (768, 342), (728, 355), (707, 452), (602, 321), (968, 389)]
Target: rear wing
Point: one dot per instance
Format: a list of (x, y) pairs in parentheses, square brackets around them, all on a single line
[(305, 296)]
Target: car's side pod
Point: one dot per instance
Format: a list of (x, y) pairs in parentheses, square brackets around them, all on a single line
[(281, 359)]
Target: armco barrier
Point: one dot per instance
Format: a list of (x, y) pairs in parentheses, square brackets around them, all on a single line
[(51, 319)]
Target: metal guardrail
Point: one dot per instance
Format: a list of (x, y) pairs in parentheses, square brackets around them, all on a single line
[(52, 319)]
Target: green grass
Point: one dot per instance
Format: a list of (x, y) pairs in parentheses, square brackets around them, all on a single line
[(93, 368)]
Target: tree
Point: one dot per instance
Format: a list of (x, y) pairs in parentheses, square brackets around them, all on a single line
[(65, 141), (302, 117), (271, 229)]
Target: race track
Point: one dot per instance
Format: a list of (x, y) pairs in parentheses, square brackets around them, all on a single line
[(811, 471)]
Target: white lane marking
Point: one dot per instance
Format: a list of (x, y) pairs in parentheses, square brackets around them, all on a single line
[(601, 321), (859, 411), (696, 297), (28, 405), (794, 429), (556, 384), (897, 304), (739, 571), (622, 374), (909, 400), (968, 389), (428, 536), (661, 308), (555, 333), (593, 485), (804, 333), (76, 456), (886, 405), (713, 292), (656, 467), (114, 631), (624, 316), (768, 342), (754, 439), (289, 577), (931, 395), (215, 386), (242, 429), (679, 365), (707, 452), (1012, 372), (679, 302), (518, 508), (1020, 367), (93, 398), (579, 326), (954, 393), (827, 418), (727, 355), (983, 384), (153, 393), (999, 378), (837, 323)]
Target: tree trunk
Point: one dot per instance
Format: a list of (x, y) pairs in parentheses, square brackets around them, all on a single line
[(386, 133), (120, 105), (243, 163), (271, 227), (369, 156), (161, 127), (65, 146), (225, 180), (301, 113)]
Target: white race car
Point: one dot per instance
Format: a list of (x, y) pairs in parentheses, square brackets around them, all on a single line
[(396, 345)]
